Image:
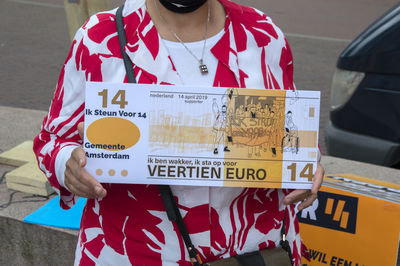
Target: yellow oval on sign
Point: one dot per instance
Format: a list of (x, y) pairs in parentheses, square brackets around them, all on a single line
[(113, 134)]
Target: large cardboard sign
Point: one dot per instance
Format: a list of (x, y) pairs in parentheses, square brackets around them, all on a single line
[(154, 134), (351, 226)]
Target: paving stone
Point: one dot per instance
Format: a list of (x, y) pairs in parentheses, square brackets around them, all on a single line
[(19, 155), (29, 179)]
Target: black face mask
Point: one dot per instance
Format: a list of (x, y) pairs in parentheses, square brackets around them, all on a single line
[(182, 6)]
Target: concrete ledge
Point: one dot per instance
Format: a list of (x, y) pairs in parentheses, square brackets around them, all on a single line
[(27, 244), (337, 166)]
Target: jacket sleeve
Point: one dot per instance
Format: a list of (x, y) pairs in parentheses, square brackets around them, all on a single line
[(287, 67), (59, 134)]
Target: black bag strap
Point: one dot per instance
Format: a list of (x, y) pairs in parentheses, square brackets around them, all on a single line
[(122, 42), (174, 215), (284, 243)]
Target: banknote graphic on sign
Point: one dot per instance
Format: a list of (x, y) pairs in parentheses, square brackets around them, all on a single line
[(215, 136)]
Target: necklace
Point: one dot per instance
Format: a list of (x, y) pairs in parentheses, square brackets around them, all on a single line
[(203, 67)]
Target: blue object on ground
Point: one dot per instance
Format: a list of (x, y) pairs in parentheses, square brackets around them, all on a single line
[(51, 214)]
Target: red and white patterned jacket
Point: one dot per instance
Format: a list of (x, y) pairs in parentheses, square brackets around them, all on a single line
[(129, 225)]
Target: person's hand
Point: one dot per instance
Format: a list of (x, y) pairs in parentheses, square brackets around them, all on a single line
[(77, 179), (306, 196)]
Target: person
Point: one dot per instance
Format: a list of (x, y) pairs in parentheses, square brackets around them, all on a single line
[(176, 42), (220, 124)]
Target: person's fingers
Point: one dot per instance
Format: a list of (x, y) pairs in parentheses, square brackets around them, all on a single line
[(70, 182), (306, 196), (307, 202), (79, 156), (90, 182), (318, 178), (76, 185), (78, 190), (81, 129), (78, 180), (81, 182), (82, 192), (296, 196)]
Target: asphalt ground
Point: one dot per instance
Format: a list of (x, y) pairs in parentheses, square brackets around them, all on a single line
[(34, 42)]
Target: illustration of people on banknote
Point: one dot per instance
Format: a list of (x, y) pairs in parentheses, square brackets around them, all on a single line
[(290, 142), (251, 122), (220, 123)]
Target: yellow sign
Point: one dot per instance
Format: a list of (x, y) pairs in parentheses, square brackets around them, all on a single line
[(350, 224)]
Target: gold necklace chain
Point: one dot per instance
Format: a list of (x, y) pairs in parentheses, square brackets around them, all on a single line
[(202, 66)]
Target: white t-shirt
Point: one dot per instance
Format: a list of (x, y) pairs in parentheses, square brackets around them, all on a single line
[(188, 67)]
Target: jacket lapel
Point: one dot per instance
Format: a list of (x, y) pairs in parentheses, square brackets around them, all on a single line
[(228, 57)]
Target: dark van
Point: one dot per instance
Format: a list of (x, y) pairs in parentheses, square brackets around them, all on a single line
[(365, 96)]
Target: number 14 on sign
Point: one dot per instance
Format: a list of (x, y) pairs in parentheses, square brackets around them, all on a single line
[(306, 172), (118, 99)]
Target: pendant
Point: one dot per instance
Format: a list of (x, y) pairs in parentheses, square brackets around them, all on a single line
[(203, 68)]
